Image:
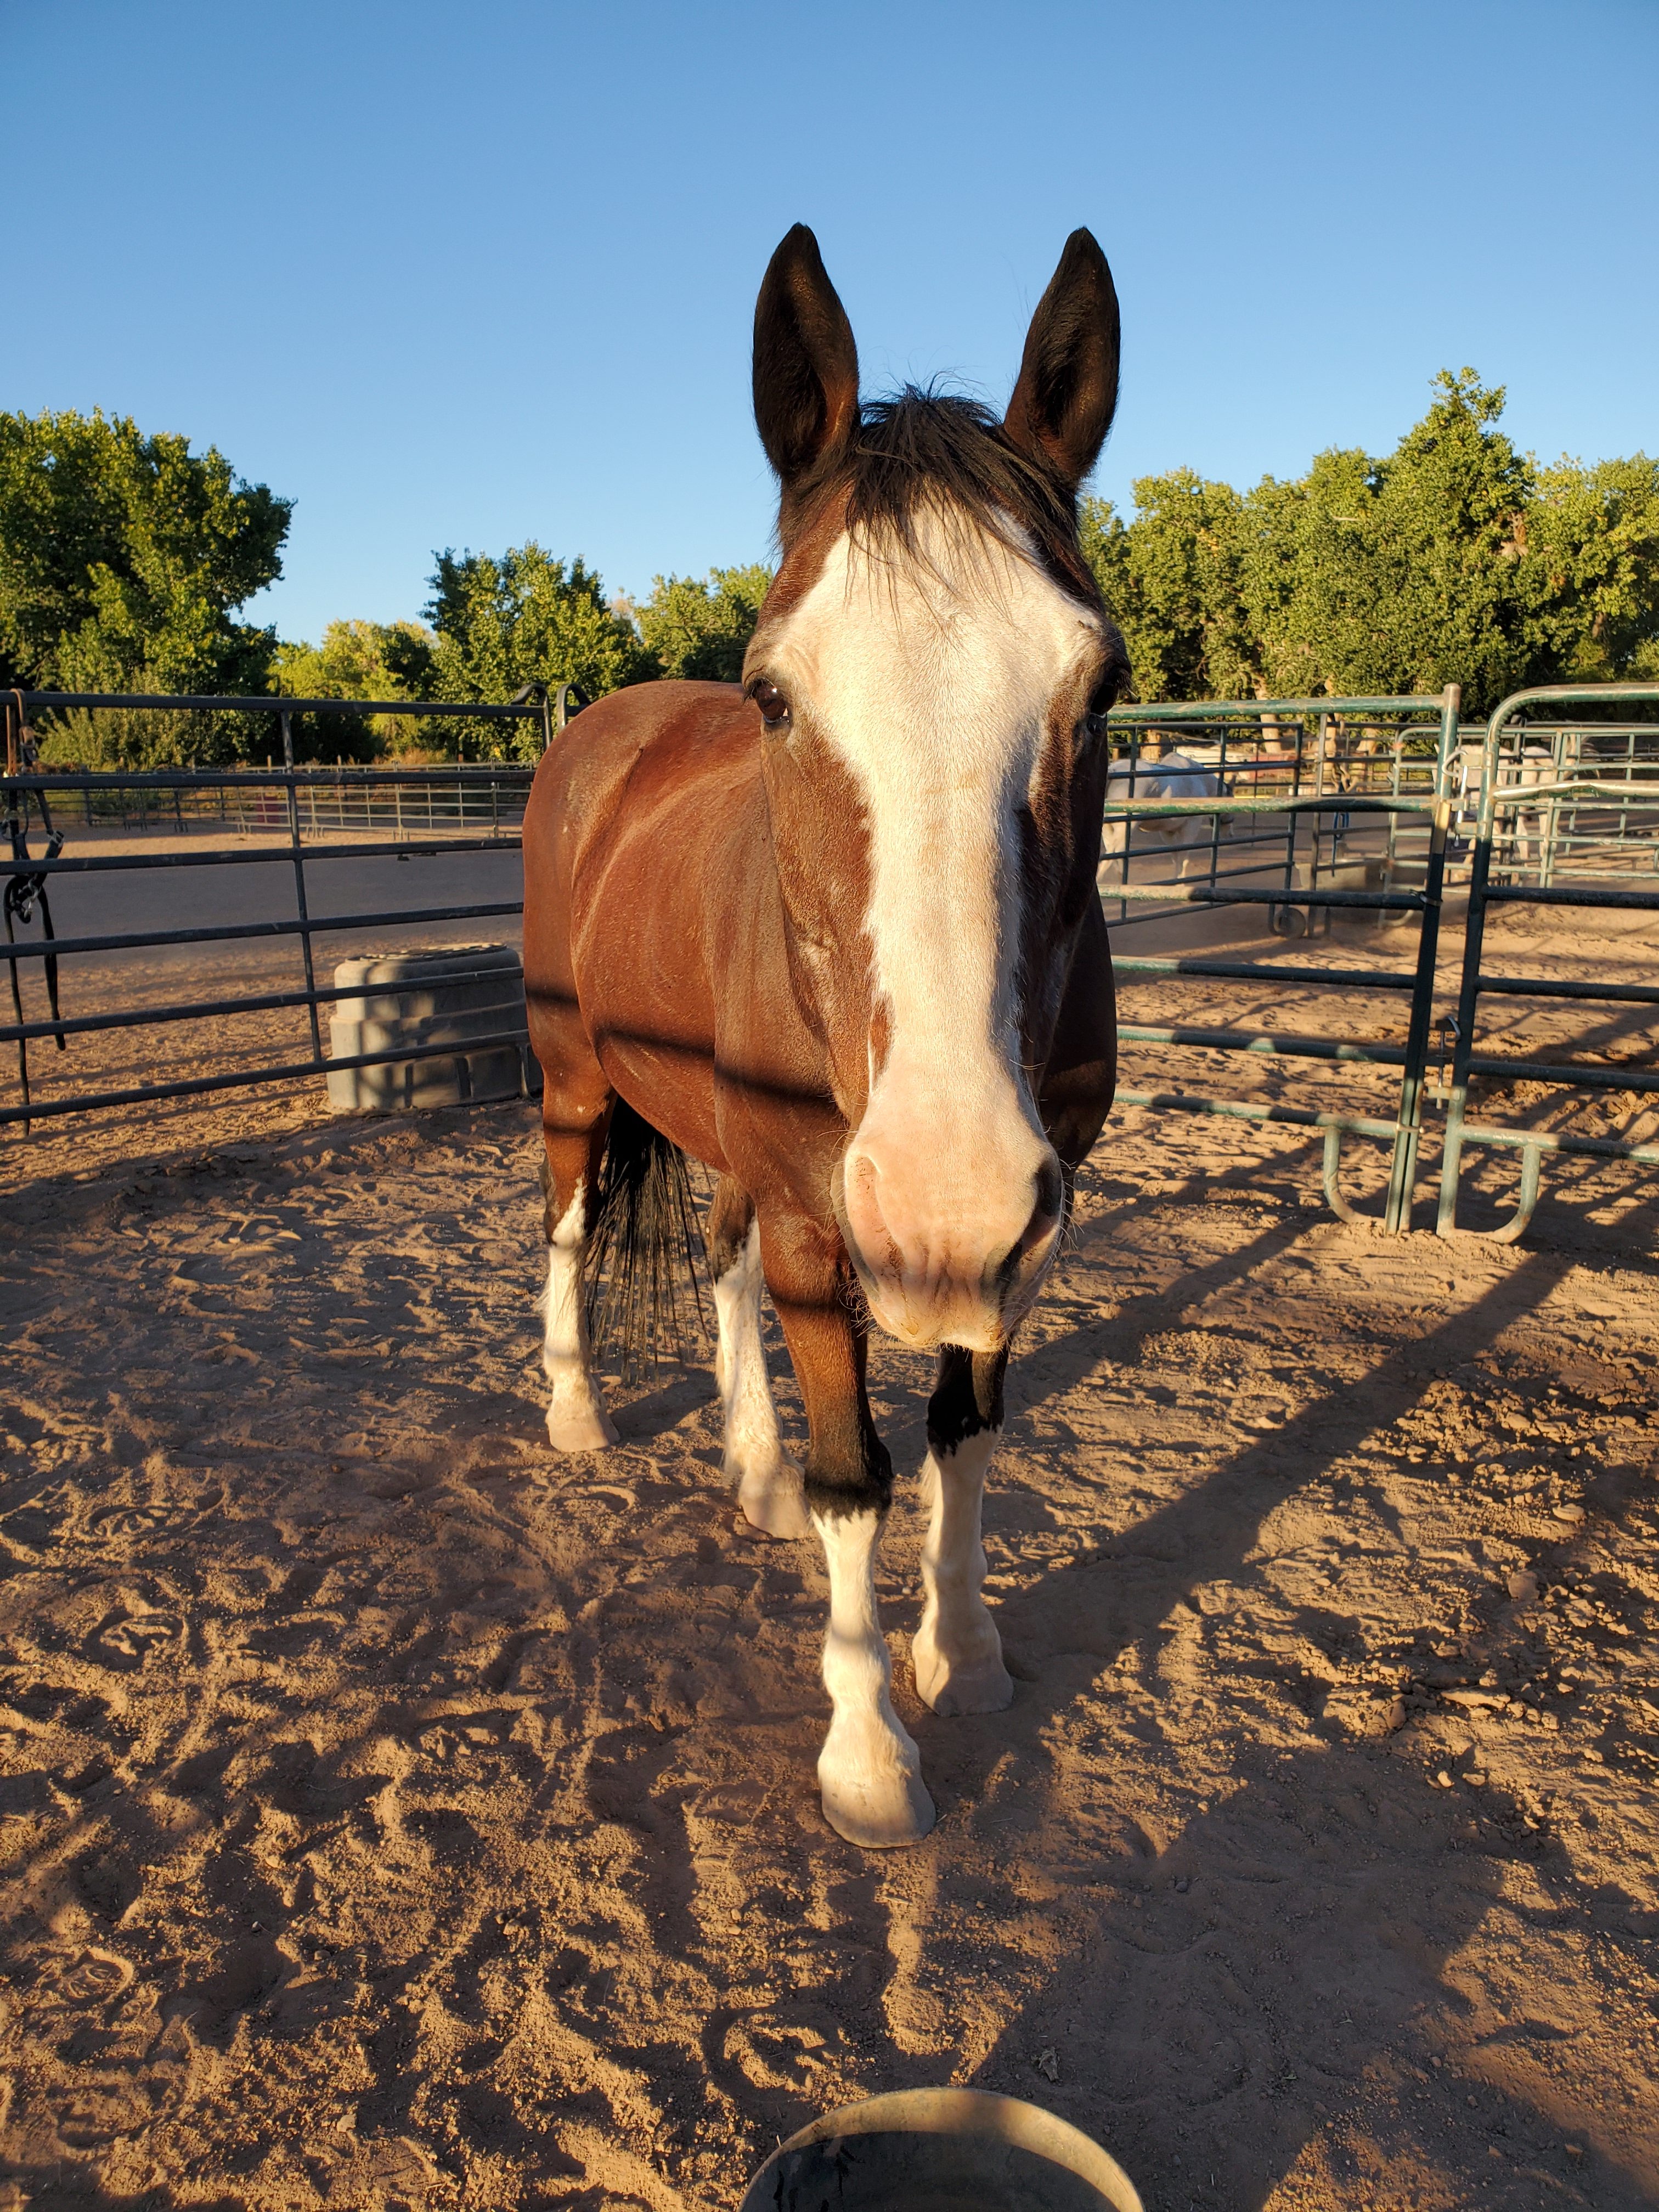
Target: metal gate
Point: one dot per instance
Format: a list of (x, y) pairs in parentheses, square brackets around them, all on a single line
[(1565, 823), (372, 813), (1305, 805)]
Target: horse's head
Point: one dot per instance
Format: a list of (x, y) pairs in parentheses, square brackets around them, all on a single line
[(931, 673)]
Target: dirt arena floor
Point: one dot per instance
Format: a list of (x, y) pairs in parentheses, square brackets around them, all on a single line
[(397, 1816), (392, 1815)]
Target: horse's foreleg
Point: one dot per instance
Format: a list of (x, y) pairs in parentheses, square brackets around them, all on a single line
[(869, 1770), (769, 1486), (956, 1651), (576, 1419)]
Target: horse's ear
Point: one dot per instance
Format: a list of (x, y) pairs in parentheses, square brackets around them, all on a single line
[(1067, 394), (806, 366)]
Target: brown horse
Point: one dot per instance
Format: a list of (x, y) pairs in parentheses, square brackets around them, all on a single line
[(834, 933)]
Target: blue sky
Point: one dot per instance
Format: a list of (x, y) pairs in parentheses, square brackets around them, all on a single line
[(467, 275)]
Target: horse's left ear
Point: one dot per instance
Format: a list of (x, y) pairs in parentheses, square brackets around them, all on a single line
[(1063, 403)]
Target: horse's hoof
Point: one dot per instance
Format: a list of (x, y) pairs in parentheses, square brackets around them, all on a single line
[(955, 1689), (880, 1820), (870, 1779), (580, 1429), (776, 1504)]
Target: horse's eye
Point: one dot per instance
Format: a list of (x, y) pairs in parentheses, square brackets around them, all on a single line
[(1100, 703), (774, 708)]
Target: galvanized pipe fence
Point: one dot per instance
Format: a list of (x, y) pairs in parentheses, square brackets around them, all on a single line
[(279, 802), (1312, 809), (1324, 749), (1294, 796)]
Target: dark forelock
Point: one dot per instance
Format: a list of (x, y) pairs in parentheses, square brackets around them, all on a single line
[(922, 453)]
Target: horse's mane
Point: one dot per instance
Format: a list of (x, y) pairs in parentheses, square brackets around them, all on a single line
[(937, 455)]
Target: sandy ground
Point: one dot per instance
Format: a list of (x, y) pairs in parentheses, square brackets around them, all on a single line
[(397, 1816)]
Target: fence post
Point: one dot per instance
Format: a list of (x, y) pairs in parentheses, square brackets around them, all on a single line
[(300, 884), (1402, 1171), (1468, 989)]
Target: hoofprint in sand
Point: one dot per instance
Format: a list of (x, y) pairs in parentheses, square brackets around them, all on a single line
[(398, 1815)]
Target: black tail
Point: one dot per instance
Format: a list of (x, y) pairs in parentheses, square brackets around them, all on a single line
[(643, 1249)]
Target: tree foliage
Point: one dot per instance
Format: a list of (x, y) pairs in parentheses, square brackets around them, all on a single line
[(356, 661), (1172, 577), (1454, 559), (702, 629), (524, 619), (1592, 553), (123, 560)]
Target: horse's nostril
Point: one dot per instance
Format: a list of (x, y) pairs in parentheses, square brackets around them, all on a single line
[(1050, 1194), (1050, 1197)]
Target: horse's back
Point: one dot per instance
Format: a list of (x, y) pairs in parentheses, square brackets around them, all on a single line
[(636, 824)]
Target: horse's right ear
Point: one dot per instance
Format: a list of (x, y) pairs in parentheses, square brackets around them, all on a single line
[(807, 365)]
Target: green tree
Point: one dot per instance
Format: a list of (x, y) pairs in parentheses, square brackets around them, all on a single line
[(1418, 583), (123, 560), (524, 619), (1172, 581), (357, 660), (1591, 565), (1455, 558), (702, 629)]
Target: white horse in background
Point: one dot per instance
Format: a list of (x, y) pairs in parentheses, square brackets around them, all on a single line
[(1538, 766), (1156, 775)]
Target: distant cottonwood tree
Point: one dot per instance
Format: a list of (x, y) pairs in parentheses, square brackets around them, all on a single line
[(1454, 559), (1172, 578), (1591, 564), (356, 661), (524, 619), (702, 629), (1401, 574), (123, 559)]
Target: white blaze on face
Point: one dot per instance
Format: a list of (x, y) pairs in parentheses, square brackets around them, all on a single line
[(936, 696)]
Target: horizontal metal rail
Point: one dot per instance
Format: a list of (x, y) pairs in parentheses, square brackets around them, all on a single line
[(117, 863), (1557, 1140), (236, 933), (1572, 1074), (1329, 802), (1549, 987), (1202, 895), (1242, 1109), (1565, 895), (201, 1010), (246, 1078), (1277, 1043), (1381, 979)]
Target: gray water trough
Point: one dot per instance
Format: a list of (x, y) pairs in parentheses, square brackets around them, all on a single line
[(448, 995), (941, 2150)]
